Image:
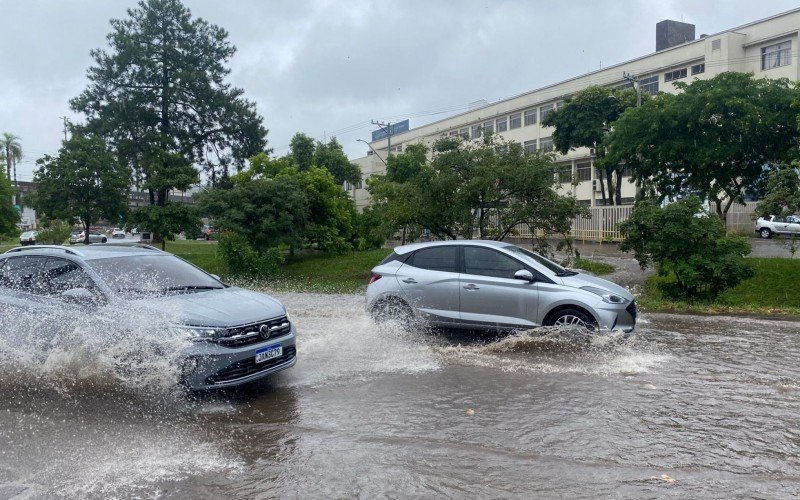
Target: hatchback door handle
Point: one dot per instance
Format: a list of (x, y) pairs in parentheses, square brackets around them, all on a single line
[(409, 280), (472, 286)]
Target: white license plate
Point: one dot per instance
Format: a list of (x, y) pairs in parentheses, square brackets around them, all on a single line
[(269, 352)]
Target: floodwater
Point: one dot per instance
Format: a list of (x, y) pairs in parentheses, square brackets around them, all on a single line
[(688, 406)]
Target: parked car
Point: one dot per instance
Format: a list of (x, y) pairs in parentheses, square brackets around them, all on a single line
[(492, 285), (28, 238), (233, 336), (94, 237), (206, 233), (778, 225), (118, 233)]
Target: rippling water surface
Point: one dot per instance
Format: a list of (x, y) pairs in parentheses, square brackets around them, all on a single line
[(689, 406)]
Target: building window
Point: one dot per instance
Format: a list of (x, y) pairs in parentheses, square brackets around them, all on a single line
[(627, 171), (626, 85), (699, 68), (515, 121), (564, 173), (453, 133), (530, 146), (530, 117), (502, 124), (584, 171), (675, 75), (476, 131), (347, 186), (488, 127), (360, 184), (716, 44), (649, 85), (559, 104), (464, 133), (546, 144), (777, 55), (544, 111)]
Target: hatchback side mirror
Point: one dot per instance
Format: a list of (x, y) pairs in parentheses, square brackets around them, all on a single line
[(525, 275), (78, 296)]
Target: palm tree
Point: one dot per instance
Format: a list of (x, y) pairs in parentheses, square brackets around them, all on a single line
[(11, 146)]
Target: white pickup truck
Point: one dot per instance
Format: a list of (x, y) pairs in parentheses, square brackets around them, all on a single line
[(778, 225)]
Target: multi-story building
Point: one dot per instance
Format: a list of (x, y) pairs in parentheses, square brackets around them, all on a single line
[(766, 48)]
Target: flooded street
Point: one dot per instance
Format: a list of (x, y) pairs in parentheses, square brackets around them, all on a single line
[(688, 406)]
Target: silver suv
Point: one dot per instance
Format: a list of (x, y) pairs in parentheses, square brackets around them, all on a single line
[(233, 336), (493, 285)]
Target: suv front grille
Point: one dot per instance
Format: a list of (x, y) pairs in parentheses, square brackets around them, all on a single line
[(247, 367), (632, 309), (251, 333)]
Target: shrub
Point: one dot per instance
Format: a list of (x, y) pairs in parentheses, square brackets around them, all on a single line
[(241, 259), (54, 233), (682, 240)]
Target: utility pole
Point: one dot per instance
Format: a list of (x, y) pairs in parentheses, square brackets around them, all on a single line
[(388, 127), (65, 127), (636, 84)]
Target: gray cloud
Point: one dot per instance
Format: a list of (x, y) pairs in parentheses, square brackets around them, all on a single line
[(326, 67)]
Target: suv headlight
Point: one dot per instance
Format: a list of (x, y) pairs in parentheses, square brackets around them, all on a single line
[(608, 297), (197, 333)]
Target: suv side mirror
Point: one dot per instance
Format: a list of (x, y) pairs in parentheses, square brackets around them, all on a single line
[(78, 296), (525, 275)]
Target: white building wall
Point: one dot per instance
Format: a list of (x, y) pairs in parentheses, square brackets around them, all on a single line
[(737, 49)]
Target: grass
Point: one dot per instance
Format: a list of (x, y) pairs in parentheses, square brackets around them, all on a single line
[(203, 254), (593, 266), (344, 273), (772, 291)]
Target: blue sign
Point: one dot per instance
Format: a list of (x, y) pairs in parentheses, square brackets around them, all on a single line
[(397, 128)]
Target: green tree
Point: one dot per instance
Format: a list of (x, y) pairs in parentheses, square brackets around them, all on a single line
[(9, 216), (55, 232), (712, 139), (488, 188), (585, 121), (85, 181), (302, 151), (782, 193), (159, 95), (12, 150), (331, 157), (682, 241)]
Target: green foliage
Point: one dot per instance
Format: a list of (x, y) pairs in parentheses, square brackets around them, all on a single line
[(331, 157), (12, 152), (85, 181), (55, 232), (681, 240), (585, 121), (167, 220), (782, 193), (159, 95), (241, 259), (371, 228), (712, 139), (9, 216), (301, 150), (487, 188), (593, 266)]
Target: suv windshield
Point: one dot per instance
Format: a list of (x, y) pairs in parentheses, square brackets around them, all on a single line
[(152, 274), (552, 266)]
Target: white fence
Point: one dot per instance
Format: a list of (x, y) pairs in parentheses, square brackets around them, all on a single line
[(602, 224)]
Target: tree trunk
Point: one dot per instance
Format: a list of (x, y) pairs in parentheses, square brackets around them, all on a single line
[(610, 180), (618, 187), (86, 225)]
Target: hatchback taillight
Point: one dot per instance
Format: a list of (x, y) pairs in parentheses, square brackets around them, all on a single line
[(375, 277)]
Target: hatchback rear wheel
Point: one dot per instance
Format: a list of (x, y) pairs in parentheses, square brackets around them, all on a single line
[(765, 233), (392, 309)]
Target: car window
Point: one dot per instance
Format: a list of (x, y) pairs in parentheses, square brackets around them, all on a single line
[(152, 274), (60, 275), (435, 259), (22, 273), (487, 262)]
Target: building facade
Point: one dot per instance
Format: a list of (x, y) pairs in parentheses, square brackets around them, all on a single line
[(767, 48)]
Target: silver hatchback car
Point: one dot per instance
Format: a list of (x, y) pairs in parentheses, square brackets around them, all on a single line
[(232, 336), (480, 284)]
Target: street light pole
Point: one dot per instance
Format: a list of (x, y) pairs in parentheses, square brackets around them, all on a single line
[(373, 151)]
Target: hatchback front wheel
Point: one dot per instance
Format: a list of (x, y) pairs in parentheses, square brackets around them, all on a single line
[(572, 318)]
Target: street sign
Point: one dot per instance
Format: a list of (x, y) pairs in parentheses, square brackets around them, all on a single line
[(397, 128)]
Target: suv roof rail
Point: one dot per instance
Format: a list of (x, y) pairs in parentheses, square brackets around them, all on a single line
[(132, 244), (45, 247)]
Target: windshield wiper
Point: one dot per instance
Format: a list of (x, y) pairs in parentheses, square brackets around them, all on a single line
[(566, 272), (190, 287)]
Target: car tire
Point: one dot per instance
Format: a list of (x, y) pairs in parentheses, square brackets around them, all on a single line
[(392, 309), (572, 318), (104, 240), (765, 233)]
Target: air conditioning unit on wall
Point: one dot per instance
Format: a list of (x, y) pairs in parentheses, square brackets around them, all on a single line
[(596, 186)]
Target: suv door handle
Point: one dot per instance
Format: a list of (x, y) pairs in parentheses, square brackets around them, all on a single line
[(472, 286), (409, 280)]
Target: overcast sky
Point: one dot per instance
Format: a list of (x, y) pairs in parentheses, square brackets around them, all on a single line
[(329, 67)]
